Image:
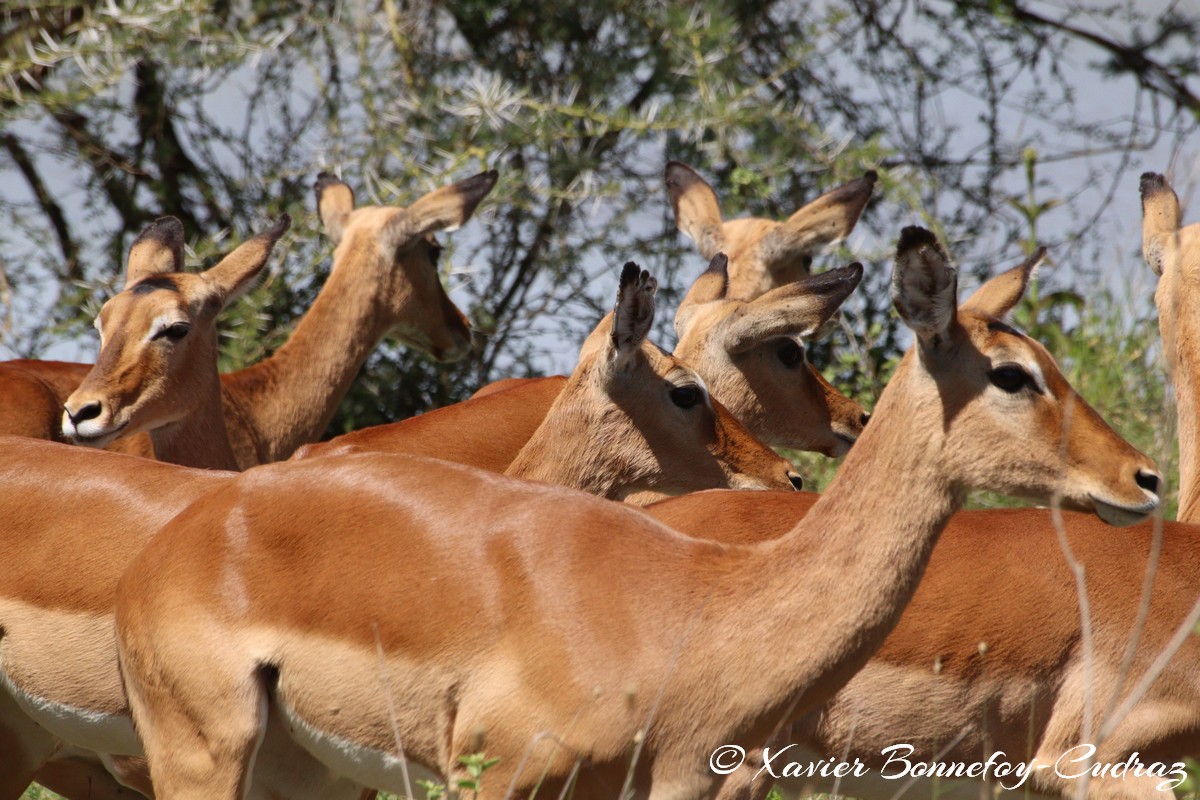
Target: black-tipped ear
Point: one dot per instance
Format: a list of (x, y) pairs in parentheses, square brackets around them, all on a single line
[(633, 314), (1152, 182), (924, 285), (828, 219), (444, 209), (335, 201), (157, 250), (710, 286), (1161, 218)]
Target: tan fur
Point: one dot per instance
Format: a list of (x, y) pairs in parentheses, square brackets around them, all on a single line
[(1173, 252), (140, 382), (566, 635), (999, 579), (611, 429), (60, 575), (752, 354), (147, 380), (381, 282), (763, 380), (763, 254)]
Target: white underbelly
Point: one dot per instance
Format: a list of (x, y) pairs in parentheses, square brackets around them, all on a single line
[(378, 769)]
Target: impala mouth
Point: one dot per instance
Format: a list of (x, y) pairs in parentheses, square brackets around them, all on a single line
[(842, 444), (100, 439), (1122, 515)]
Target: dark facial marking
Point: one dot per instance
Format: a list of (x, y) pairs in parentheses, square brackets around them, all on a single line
[(154, 283)]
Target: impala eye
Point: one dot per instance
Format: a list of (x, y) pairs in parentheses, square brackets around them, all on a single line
[(687, 396), (174, 332), (790, 353), (1011, 378)]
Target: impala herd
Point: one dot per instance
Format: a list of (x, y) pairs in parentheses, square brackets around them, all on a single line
[(376, 611)]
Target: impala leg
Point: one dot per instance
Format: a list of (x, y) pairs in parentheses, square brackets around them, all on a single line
[(81, 777), (24, 747), (746, 782), (131, 771), (1140, 787), (200, 738)]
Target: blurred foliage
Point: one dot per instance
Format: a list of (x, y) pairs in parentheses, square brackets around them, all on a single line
[(221, 113)]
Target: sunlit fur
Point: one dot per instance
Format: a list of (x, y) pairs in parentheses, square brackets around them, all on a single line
[(383, 278), (610, 429), (1173, 251), (157, 367), (752, 353), (763, 254), (590, 625)]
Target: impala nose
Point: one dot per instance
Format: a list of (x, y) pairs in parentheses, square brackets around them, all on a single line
[(1150, 481), (89, 411), (797, 481)]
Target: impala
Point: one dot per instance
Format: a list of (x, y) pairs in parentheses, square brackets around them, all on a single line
[(157, 367), (1173, 252), (765, 381), (763, 254), (57, 653), (578, 641), (156, 372), (384, 279), (631, 423), (995, 654), (635, 422), (786, 399), (752, 354)]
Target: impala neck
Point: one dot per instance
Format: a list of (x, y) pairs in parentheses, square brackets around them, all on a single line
[(845, 573), (562, 449), (1179, 324), (200, 439), (290, 397)]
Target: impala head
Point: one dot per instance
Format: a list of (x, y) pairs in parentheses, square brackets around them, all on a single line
[(751, 352), (648, 418), (763, 253), (1005, 418), (398, 244), (158, 336)]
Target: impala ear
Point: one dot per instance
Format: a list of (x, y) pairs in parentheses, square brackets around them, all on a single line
[(444, 209), (826, 220), (798, 309), (998, 296), (157, 250), (633, 314), (335, 201), (236, 272), (710, 286), (1161, 218), (695, 205), (924, 285)]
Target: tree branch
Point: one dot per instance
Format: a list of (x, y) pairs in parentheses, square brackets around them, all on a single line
[(49, 206)]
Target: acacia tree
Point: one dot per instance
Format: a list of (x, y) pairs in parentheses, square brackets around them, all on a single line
[(222, 113)]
